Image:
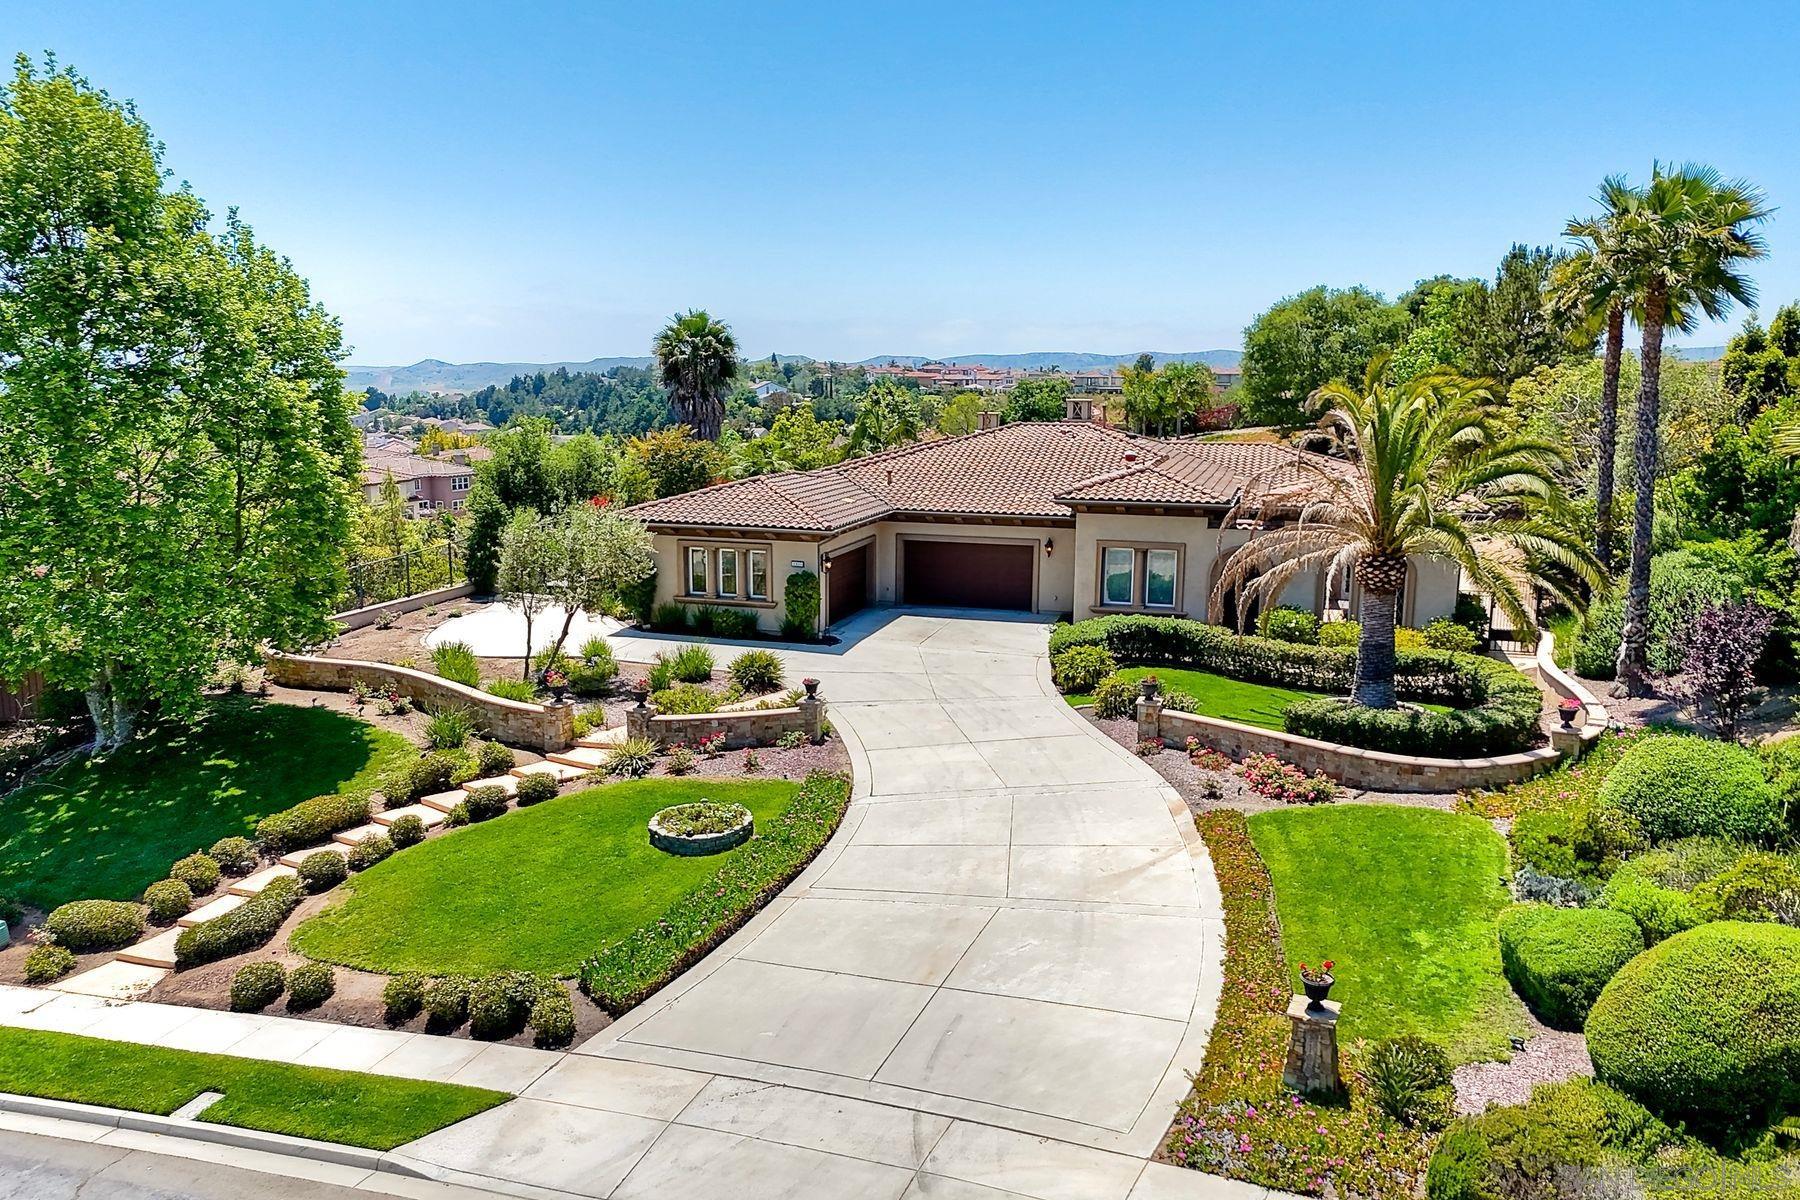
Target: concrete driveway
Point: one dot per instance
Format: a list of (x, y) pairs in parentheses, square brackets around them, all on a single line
[(992, 982)]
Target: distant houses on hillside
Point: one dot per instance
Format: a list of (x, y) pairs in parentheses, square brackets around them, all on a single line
[(974, 377)]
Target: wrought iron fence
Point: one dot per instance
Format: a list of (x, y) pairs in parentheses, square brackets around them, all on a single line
[(378, 580)]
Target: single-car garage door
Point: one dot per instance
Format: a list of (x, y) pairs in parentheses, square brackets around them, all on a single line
[(848, 589), (967, 574)]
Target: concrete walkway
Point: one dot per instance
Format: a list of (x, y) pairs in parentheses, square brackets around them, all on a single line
[(990, 985)]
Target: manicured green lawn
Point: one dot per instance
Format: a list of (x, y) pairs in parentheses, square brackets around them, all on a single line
[(1259, 704), (1405, 901), (539, 889), (108, 828), (374, 1111)]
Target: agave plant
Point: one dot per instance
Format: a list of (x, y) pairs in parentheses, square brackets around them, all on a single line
[(1424, 473)]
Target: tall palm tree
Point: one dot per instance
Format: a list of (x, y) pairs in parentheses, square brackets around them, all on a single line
[(1428, 475), (1594, 287), (1685, 239), (696, 357)]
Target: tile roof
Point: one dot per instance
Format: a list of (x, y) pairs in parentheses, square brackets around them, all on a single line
[(1028, 469), (410, 466)]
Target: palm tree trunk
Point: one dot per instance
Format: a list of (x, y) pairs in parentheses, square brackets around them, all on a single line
[(1609, 434), (1634, 643), (1374, 685)]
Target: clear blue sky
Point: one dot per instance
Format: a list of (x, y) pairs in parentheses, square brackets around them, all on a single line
[(523, 181)]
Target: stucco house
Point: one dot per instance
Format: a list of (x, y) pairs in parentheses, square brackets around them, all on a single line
[(1059, 517)]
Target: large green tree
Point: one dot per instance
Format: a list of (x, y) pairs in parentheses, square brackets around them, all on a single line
[(1686, 237), (696, 357), (1304, 342), (1044, 399), (796, 441), (888, 416), (176, 454), (1761, 366)]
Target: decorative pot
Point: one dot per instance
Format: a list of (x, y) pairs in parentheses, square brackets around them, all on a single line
[(1148, 687), (559, 692), (1317, 990), (1570, 711), (811, 686)]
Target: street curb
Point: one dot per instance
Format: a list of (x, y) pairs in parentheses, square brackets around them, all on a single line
[(200, 1131)]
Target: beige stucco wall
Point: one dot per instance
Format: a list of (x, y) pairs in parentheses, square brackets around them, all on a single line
[(782, 553)]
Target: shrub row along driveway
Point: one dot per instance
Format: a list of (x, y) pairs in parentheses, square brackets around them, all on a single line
[(1013, 937)]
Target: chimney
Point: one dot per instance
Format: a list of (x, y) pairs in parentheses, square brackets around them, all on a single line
[(990, 420), (1078, 408)]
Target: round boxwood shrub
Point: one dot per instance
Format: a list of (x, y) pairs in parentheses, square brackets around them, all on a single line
[(485, 803), (1706, 1026), (1079, 669), (369, 851), (323, 870), (84, 925), (500, 1004), (1654, 889), (235, 855), (446, 1003), (552, 1018), (256, 986), (47, 962), (199, 871), (403, 997), (491, 758), (1558, 959), (407, 831), (535, 789), (310, 986), (1680, 786), (168, 900)]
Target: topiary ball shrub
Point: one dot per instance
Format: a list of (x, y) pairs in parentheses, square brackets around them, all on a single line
[(552, 1018), (535, 789), (235, 855), (199, 871), (407, 831), (756, 671), (1558, 959), (369, 851), (491, 758), (168, 900), (403, 997), (256, 986), (47, 962), (1706, 1026), (485, 803), (1680, 786), (500, 1004), (84, 925), (446, 1003), (323, 870), (1080, 669), (310, 986)]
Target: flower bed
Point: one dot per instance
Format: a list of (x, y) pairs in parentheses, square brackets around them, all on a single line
[(1239, 1121), (703, 828), (1492, 708)]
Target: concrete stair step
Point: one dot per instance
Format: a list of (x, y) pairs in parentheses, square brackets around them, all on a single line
[(216, 908), (249, 885), (114, 980), (431, 817), (158, 951), (506, 783), (359, 835), (443, 801), (561, 772), (602, 738), (295, 858), (586, 758)]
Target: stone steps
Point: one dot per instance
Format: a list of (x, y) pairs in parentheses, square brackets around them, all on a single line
[(249, 885), (430, 817), (585, 758), (359, 835), (158, 951), (600, 739), (296, 857), (217, 907), (443, 801), (561, 772), (506, 783)]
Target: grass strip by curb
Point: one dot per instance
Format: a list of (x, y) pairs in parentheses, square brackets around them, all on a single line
[(376, 1112), (623, 974)]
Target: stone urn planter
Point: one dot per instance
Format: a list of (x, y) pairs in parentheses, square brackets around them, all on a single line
[(1570, 710), (1317, 982), (811, 686), (692, 830), (1148, 686)]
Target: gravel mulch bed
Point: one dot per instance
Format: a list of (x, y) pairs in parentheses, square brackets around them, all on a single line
[(1549, 1056), (1206, 790)]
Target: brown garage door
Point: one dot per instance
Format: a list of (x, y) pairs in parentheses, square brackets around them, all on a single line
[(968, 574), (849, 587)]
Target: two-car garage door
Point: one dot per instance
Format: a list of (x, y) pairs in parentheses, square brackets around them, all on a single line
[(958, 574)]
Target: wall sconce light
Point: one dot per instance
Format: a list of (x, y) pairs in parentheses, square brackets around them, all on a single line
[(1049, 547)]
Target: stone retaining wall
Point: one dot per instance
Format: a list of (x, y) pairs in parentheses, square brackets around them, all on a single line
[(357, 618), (752, 727), (533, 726)]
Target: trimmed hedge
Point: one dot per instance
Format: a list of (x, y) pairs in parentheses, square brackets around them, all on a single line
[(403, 997), (486, 802), (323, 870), (1558, 959), (256, 986), (311, 821), (1654, 888), (626, 972), (552, 1018), (1495, 709), (46, 962), (1081, 668), (500, 1004), (1706, 1026), (84, 925), (235, 855), (249, 925), (310, 986), (1678, 786), (407, 831)]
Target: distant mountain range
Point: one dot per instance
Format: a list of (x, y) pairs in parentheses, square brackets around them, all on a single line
[(1698, 353), (435, 375)]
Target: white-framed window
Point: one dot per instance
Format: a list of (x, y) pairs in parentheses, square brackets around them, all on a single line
[(460, 483), (456, 506), (1117, 569), (1159, 578), (728, 572), (696, 571), (759, 574)]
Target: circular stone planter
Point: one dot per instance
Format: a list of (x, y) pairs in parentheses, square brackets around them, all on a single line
[(693, 845)]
